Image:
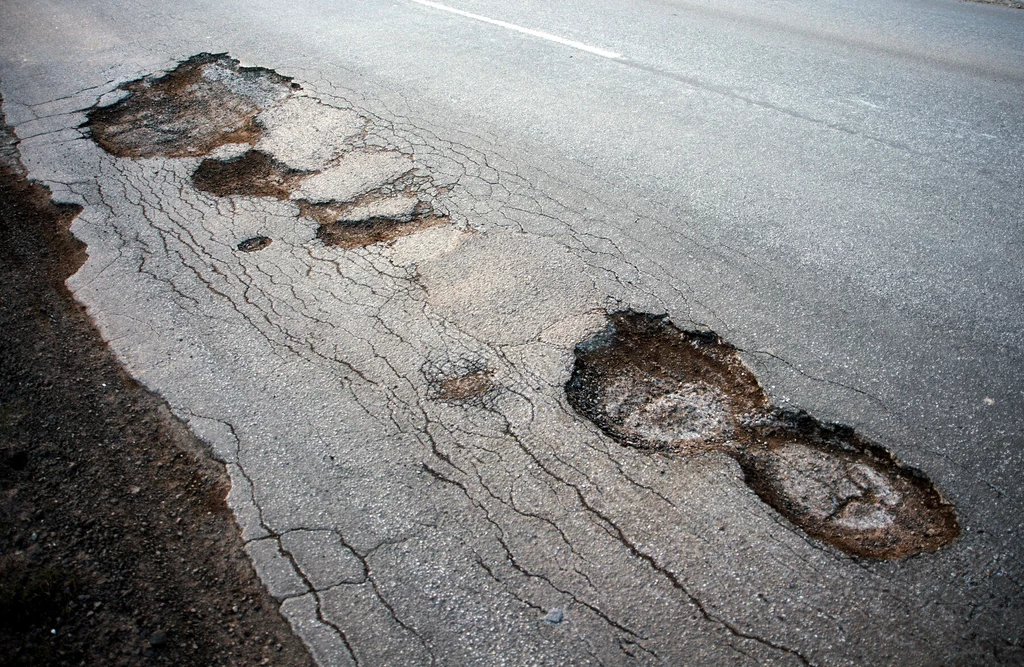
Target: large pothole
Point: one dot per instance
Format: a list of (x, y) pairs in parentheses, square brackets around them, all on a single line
[(843, 489), (205, 102), (650, 385)]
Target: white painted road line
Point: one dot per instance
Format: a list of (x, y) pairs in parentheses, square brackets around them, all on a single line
[(528, 31)]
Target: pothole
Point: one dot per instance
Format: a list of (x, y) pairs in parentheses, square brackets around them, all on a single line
[(357, 197), (205, 102), (252, 174), (254, 244), (379, 209), (354, 233), (368, 198), (381, 215), (650, 385), (844, 490)]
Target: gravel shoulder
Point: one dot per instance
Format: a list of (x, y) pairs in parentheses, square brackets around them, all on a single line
[(116, 544)]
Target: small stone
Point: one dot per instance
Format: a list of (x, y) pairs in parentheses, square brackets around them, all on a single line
[(133, 490), (158, 639), (554, 616)]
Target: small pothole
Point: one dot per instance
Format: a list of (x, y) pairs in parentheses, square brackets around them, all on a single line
[(650, 385), (252, 174), (368, 231), (358, 223), (255, 243)]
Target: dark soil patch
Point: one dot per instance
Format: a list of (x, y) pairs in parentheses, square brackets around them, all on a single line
[(205, 102), (253, 174), (649, 385), (116, 545)]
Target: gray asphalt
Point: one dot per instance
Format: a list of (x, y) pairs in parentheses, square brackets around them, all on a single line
[(834, 188)]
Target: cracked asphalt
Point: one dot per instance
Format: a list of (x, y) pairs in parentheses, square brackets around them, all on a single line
[(357, 260)]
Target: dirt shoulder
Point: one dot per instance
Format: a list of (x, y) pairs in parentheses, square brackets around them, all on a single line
[(116, 545)]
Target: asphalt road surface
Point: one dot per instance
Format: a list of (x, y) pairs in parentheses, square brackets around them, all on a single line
[(363, 286)]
